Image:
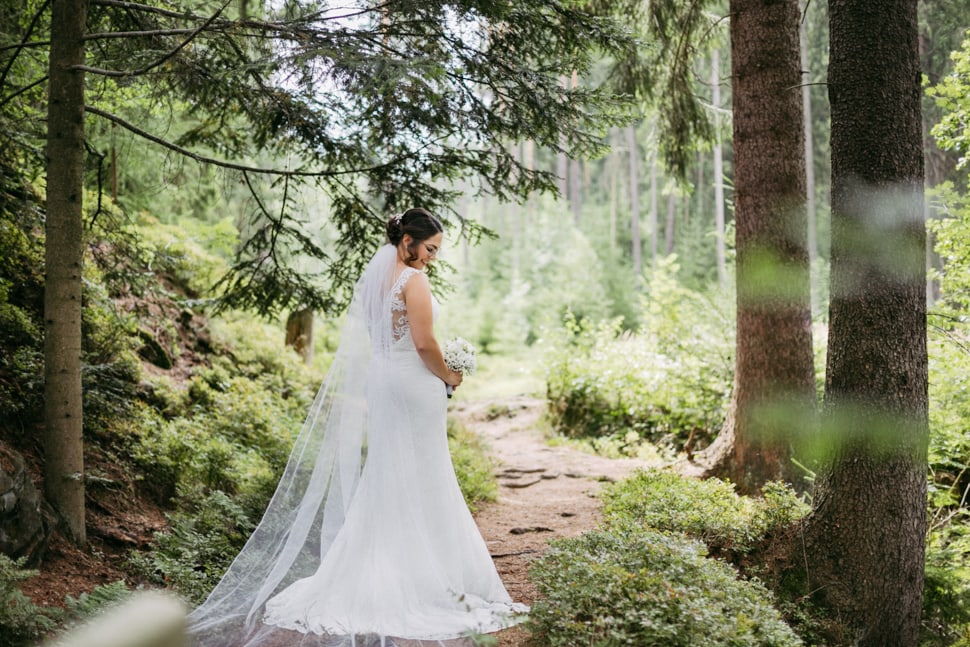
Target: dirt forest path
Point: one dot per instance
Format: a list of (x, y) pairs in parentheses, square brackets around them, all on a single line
[(545, 492)]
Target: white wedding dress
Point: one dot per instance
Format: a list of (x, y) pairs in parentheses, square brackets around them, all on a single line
[(405, 563)]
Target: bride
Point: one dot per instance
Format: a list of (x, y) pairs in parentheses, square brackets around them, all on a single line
[(367, 540)]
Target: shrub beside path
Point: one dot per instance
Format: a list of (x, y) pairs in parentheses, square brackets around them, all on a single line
[(545, 492)]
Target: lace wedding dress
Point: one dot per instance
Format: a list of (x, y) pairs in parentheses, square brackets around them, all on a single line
[(380, 548)]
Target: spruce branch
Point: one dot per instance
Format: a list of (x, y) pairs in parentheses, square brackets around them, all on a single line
[(115, 119), (168, 56), (24, 41)]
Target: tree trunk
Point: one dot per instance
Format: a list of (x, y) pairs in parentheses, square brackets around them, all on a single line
[(575, 190), (720, 250), (613, 164), (654, 208), (631, 142), (774, 390), (299, 333), (809, 165), (575, 173), (562, 162), (63, 434), (865, 537), (671, 225)]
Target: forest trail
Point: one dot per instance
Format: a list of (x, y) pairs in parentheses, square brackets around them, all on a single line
[(545, 492)]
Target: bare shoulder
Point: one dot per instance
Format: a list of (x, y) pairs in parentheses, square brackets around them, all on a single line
[(416, 286), (416, 280)]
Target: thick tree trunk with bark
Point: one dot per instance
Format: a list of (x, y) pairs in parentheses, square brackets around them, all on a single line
[(63, 440), (865, 537), (774, 387)]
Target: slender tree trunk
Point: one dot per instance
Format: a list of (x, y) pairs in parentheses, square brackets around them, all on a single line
[(63, 436), (631, 142), (575, 190), (774, 372), (614, 178), (671, 222), (865, 537), (720, 250), (528, 159), (654, 207), (299, 333), (809, 165), (562, 162), (515, 215), (575, 173)]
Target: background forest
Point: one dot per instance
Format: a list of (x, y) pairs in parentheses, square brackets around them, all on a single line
[(233, 181)]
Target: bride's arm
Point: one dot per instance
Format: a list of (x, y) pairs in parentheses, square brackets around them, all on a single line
[(417, 299)]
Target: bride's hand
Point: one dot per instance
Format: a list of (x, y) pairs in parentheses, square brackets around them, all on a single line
[(454, 378)]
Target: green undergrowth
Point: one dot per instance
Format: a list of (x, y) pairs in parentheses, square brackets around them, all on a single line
[(667, 382), (24, 623), (644, 588), (473, 466), (656, 572), (707, 510)]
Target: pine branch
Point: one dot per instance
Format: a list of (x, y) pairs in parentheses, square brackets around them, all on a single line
[(23, 42), (16, 94), (139, 34), (202, 159), (163, 59)]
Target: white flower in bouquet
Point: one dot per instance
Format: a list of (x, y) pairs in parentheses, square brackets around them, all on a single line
[(459, 356)]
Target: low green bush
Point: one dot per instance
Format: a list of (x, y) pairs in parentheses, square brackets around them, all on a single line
[(473, 467), (21, 621), (203, 539), (707, 510), (235, 440), (669, 381), (644, 588), (946, 586), (86, 605)]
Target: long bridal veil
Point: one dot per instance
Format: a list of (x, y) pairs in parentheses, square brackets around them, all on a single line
[(321, 476), (367, 540)]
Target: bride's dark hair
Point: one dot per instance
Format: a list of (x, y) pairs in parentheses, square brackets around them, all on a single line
[(420, 224)]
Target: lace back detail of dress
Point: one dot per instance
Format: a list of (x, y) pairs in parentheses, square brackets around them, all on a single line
[(400, 326)]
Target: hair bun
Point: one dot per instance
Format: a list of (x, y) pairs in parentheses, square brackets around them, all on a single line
[(419, 223), (394, 229)]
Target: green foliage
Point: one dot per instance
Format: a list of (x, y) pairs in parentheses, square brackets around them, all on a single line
[(21, 296), (951, 95), (21, 621), (231, 112), (233, 437), (669, 382), (229, 426), (640, 587), (709, 510), (203, 540), (88, 604), (472, 465), (946, 587), (188, 254), (946, 600)]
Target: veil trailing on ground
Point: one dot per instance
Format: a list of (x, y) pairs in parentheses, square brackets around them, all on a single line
[(311, 501)]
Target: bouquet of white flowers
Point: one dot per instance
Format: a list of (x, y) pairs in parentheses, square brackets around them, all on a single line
[(459, 356)]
